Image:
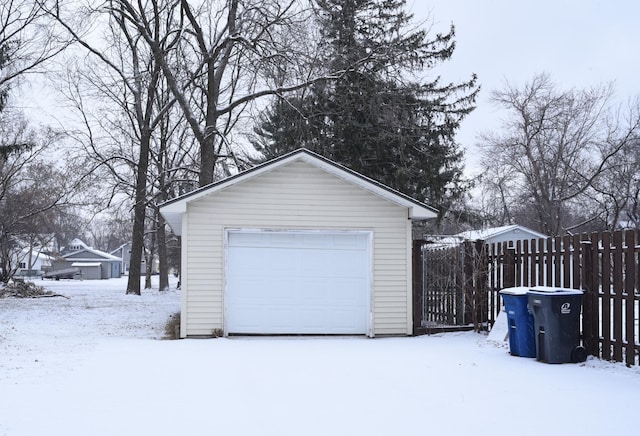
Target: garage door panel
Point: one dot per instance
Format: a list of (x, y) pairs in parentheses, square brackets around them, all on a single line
[(341, 321), (313, 240), (258, 261), (279, 282), (342, 263)]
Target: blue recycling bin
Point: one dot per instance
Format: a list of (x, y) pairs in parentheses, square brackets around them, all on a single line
[(556, 314), (522, 340)]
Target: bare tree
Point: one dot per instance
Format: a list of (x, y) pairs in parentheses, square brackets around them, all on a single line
[(173, 164), (27, 38), (32, 189), (111, 229), (553, 147), (616, 193), (127, 75), (213, 57), (226, 49)]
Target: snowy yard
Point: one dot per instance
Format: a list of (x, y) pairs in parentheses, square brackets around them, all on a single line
[(93, 365)]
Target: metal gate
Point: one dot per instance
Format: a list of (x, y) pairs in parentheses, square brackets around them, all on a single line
[(450, 286), (443, 286)]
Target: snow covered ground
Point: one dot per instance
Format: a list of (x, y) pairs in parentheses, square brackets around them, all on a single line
[(93, 364)]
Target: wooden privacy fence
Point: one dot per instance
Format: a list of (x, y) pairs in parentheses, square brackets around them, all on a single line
[(458, 284)]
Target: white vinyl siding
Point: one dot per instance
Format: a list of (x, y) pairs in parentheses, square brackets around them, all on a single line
[(295, 196)]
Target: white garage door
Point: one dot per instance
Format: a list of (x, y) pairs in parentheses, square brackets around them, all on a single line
[(297, 282)]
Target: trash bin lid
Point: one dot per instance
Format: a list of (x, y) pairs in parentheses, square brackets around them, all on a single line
[(546, 290), (518, 290)]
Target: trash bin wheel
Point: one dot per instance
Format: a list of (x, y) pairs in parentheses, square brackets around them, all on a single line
[(579, 354)]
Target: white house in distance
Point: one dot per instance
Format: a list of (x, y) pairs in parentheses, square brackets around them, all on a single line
[(297, 245), (32, 262)]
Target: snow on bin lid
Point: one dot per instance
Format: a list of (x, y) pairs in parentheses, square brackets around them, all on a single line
[(518, 290), (554, 290)]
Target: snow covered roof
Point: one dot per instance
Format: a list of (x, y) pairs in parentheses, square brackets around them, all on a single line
[(91, 251), (519, 232), (173, 210), (35, 254)]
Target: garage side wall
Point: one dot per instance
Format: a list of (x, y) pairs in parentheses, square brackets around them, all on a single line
[(296, 196)]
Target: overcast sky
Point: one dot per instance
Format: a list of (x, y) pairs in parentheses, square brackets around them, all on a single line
[(580, 43)]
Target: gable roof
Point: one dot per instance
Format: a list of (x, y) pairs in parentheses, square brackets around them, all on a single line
[(91, 254), (35, 254), (493, 232), (174, 209)]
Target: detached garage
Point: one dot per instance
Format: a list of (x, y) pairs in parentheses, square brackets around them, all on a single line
[(297, 245)]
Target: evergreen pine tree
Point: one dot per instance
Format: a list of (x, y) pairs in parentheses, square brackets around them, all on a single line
[(379, 118)]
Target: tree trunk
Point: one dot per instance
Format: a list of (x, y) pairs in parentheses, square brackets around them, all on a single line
[(139, 215), (151, 254), (162, 254), (148, 268), (207, 159)]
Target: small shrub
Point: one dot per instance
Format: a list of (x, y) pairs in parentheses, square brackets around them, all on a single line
[(172, 328), (217, 333)]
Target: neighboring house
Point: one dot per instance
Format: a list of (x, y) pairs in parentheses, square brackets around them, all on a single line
[(32, 265), (124, 253), (93, 264), (297, 245), (495, 235)]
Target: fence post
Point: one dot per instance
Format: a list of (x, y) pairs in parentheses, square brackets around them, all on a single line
[(618, 285), (470, 311), (481, 265), (629, 290), (462, 314), (418, 285), (590, 340), (509, 267)]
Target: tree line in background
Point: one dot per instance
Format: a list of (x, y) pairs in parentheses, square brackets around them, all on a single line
[(565, 161), (166, 96)]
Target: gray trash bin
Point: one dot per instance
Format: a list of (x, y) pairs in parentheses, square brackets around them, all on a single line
[(556, 315)]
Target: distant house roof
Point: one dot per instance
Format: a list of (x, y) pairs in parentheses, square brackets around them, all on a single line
[(35, 254), (90, 254), (173, 210), (511, 232), (489, 235)]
